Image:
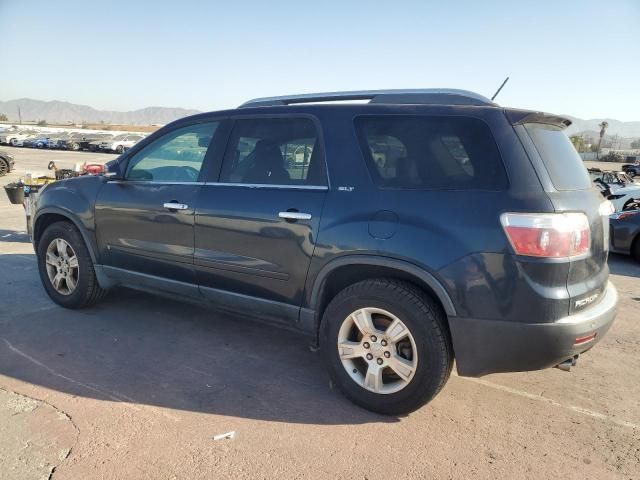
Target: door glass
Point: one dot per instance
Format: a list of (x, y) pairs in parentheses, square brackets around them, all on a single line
[(274, 151), (175, 157)]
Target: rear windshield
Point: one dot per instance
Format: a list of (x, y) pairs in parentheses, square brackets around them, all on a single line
[(565, 167), (439, 153)]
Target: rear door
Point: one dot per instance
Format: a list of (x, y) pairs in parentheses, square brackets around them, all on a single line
[(257, 221), (144, 222), (570, 189)]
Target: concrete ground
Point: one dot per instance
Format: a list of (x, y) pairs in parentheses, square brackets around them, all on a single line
[(137, 386)]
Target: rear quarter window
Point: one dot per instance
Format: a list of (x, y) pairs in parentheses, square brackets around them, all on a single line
[(431, 152), (564, 165)]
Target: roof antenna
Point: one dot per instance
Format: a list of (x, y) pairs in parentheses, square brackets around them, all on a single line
[(498, 91)]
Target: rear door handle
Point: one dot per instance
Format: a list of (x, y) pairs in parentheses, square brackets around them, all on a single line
[(175, 206), (295, 215)]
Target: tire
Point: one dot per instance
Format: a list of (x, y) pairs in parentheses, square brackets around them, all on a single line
[(75, 147), (428, 340), (120, 149), (635, 248), (4, 167), (87, 291)]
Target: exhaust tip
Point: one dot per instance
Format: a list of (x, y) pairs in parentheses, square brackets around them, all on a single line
[(567, 364)]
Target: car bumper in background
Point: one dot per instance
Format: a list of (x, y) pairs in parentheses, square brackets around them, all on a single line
[(491, 346)]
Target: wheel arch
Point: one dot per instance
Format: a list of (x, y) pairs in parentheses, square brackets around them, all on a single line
[(345, 271), (51, 215), (634, 249)]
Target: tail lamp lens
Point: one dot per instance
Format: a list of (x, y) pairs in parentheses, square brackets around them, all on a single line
[(548, 235)]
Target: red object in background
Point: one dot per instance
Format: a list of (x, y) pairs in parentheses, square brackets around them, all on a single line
[(92, 168)]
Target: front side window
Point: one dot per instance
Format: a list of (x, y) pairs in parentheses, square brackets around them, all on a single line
[(440, 153), (274, 151), (175, 157)]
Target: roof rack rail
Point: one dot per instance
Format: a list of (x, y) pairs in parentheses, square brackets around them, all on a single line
[(430, 96)]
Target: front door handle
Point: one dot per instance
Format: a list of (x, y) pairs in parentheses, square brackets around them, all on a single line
[(295, 216), (175, 206)]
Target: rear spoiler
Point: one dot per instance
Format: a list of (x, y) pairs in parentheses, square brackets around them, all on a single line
[(519, 117)]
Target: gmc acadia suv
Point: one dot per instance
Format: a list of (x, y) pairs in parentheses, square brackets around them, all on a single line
[(422, 226)]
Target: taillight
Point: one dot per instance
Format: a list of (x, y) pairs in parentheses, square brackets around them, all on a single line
[(550, 235)]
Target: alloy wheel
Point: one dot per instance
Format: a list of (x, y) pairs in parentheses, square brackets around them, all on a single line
[(377, 350), (62, 266)]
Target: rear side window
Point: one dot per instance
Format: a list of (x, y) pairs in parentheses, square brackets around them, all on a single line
[(439, 153), (564, 165), (274, 151)]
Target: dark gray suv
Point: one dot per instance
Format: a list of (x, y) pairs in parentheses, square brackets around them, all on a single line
[(422, 226)]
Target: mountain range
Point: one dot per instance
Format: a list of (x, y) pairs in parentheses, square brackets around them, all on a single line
[(65, 112), (616, 127)]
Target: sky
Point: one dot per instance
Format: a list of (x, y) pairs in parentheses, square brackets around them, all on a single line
[(580, 58)]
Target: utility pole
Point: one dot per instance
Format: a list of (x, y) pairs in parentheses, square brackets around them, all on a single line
[(19, 115)]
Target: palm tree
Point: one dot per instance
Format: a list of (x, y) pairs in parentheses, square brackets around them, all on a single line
[(603, 128)]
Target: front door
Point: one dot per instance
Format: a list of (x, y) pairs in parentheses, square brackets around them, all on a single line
[(144, 222), (257, 225)]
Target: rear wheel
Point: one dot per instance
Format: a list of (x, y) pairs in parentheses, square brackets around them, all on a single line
[(65, 267), (119, 149), (386, 346), (75, 146)]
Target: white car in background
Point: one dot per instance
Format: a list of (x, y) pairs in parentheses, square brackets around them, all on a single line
[(13, 137), (120, 143)]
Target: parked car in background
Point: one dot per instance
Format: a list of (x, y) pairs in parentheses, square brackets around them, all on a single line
[(57, 140), (625, 233), (37, 141), (120, 143), (94, 146), (16, 136), (622, 197), (72, 141), (93, 139), (6, 163), (615, 179), (7, 134), (632, 169), (20, 141), (424, 226)]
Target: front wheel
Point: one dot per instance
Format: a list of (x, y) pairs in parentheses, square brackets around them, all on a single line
[(119, 149), (386, 346), (65, 267)]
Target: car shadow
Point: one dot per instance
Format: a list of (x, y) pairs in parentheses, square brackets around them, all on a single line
[(624, 265), (144, 349), (14, 236)]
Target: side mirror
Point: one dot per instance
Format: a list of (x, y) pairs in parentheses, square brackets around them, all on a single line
[(113, 170)]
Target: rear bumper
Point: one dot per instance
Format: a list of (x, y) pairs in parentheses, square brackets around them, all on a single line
[(491, 346)]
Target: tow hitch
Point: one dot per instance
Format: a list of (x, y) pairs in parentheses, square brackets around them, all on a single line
[(567, 364)]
